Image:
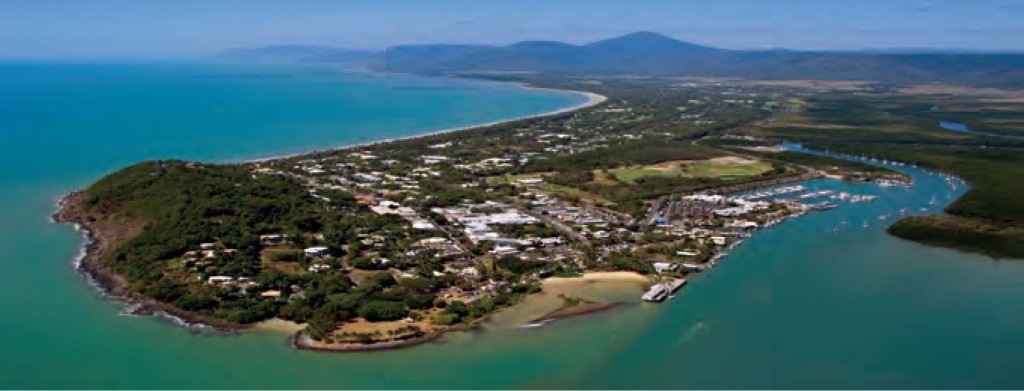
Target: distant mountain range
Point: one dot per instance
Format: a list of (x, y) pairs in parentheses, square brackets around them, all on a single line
[(648, 53)]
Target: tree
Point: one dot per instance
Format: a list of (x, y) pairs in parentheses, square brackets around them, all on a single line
[(382, 279), (377, 311), (418, 301), (320, 326), (458, 308)]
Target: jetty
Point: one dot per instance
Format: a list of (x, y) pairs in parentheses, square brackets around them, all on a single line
[(663, 290)]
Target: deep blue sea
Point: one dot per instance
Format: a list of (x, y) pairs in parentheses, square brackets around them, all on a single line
[(818, 302)]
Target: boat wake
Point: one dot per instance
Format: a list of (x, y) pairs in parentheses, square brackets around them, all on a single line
[(692, 331)]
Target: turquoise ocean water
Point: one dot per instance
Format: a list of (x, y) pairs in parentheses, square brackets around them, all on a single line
[(799, 305)]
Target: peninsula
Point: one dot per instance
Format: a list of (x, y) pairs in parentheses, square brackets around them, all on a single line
[(391, 244)]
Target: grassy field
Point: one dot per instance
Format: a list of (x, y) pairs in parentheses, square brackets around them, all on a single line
[(574, 193), (630, 175), (714, 169)]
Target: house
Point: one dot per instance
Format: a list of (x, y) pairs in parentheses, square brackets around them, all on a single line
[(470, 273), (504, 250), (743, 224), (693, 267), (423, 225), (718, 240), (270, 240), (319, 267), (433, 159), (550, 241), (529, 181), (273, 294), (316, 251), (220, 280), (390, 207), (662, 267), (366, 178)]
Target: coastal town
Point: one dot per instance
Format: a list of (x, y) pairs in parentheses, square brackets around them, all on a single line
[(512, 195), (394, 243)]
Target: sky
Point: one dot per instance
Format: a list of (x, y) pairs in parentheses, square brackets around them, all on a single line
[(98, 29)]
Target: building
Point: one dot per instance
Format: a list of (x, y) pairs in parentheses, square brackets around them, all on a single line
[(529, 181), (316, 251), (270, 240), (220, 280)]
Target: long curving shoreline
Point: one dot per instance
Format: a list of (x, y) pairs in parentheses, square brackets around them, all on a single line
[(593, 99), (97, 241)]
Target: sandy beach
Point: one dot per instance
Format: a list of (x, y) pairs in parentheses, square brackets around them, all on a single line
[(599, 287), (593, 99), (604, 290), (597, 276), (281, 325)]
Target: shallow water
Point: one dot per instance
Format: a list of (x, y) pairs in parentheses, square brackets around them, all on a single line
[(797, 306)]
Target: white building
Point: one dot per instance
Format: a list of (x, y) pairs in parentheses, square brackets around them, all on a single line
[(319, 251)]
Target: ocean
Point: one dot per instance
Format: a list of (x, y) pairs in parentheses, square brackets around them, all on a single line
[(816, 302)]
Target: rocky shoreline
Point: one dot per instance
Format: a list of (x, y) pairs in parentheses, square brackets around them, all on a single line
[(96, 245), (304, 342), (97, 242)]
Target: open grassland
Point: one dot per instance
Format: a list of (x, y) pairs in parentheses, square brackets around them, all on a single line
[(820, 85), (979, 94), (630, 175), (578, 194), (720, 169), (836, 118)]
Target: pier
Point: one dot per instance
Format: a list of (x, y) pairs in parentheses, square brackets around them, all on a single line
[(663, 290)]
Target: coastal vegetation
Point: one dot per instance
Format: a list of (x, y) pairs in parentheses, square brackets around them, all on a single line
[(988, 219), (883, 124)]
